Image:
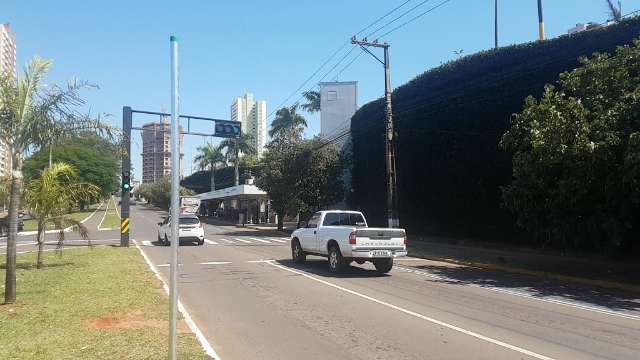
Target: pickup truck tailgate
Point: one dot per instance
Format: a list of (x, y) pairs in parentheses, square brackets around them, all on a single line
[(380, 238)]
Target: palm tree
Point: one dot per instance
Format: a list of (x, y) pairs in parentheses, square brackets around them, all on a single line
[(209, 156), (244, 144), (615, 11), (313, 101), (29, 115), (51, 195), (287, 119)]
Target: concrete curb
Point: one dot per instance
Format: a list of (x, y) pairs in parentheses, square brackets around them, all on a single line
[(578, 280)]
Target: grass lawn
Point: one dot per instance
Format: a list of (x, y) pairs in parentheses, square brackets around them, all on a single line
[(32, 224), (111, 219), (99, 303)]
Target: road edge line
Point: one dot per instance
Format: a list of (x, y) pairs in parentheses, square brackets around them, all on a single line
[(541, 274), (208, 349), (418, 315)]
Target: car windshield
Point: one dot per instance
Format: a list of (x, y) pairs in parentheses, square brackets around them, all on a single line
[(189, 221), (343, 219)]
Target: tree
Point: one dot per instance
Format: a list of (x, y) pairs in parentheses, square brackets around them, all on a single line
[(158, 193), (313, 101), (5, 189), (576, 156), (29, 115), (209, 156), (615, 11), (287, 119), (243, 145), (51, 195), (95, 159)]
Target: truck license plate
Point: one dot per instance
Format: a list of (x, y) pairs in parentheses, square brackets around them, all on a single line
[(379, 253)]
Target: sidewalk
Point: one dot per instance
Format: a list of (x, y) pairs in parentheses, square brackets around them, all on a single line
[(590, 270)]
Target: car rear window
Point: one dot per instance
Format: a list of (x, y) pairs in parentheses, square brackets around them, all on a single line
[(189, 221), (343, 219)]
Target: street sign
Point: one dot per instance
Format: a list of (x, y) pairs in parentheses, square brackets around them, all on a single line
[(229, 129), (189, 204)]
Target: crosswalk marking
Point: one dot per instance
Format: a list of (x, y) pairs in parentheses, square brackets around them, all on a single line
[(227, 241), (242, 240), (285, 238), (264, 241), (277, 240), (210, 242)]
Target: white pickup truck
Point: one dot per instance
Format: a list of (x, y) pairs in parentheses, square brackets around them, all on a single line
[(343, 236)]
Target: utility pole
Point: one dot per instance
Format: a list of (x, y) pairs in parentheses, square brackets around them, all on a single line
[(496, 24), (392, 193), (540, 21)]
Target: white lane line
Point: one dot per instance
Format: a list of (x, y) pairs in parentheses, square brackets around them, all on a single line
[(215, 263), (227, 241), (242, 240), (208, 349), (285, 238), (260, 261), (277, 240), (415, 314), (163, 265), (263, 241), (210, 242), (527, 296), (147, 243)]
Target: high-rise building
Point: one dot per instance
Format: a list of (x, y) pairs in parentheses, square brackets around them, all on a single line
[(338, 103), (253, 116), (7, 67), (156, 150)]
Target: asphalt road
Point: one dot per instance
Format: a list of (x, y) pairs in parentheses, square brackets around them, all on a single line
[(251, 302)]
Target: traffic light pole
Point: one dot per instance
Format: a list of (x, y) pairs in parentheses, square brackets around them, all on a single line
[(126, 171), (390, 159)]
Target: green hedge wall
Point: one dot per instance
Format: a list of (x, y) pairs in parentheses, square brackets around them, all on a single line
[(449, 121)]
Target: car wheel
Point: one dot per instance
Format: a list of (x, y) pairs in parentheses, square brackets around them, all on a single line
[(201, 242), (383, 266), (296, 252), (336, 261)]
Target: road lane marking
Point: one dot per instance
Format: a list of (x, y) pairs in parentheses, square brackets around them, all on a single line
[(242, 240), (227, 241), (285, 238), (210, 242), (215, 263), (208, 349), (260, 261), (415, 314), (524, 295), (263, 241), (147, 243), (277, 240)]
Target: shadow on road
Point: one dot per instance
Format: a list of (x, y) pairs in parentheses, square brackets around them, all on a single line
[(533, 286), (320, 267)]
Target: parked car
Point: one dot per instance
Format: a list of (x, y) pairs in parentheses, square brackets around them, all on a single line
[(189, 230), (343, 237)]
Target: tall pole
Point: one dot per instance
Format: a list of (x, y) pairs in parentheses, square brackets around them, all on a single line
[(540, 21), (175, 188), (390, 159), (126, 169), (496, 24)]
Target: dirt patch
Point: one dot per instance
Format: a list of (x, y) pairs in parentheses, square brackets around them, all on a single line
[(134, 320)]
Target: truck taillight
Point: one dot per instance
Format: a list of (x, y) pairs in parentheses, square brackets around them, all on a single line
[(352, 238)]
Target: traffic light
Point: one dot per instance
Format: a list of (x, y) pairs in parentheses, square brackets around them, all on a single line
[(126, 181), (228, 129)]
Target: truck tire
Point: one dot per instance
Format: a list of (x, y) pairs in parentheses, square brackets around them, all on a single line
[(297, 254), (383, 266), (336, 261)]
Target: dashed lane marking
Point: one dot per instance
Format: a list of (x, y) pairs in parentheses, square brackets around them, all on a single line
[(210, 242), (147, 243), (215, 263)]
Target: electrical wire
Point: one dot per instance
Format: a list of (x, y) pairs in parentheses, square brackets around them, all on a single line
[(414, 18)]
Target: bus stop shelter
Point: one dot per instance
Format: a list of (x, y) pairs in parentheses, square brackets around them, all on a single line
[(242, 204)]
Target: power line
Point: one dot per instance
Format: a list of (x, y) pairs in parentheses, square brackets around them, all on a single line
[(413, 19), (382, 17), (397, 18)]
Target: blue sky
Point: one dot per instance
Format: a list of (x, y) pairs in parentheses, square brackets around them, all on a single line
[(266, 47)]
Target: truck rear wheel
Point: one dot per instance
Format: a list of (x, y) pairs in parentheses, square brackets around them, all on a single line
[(296, 252), (383, 266), (336, 261)]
